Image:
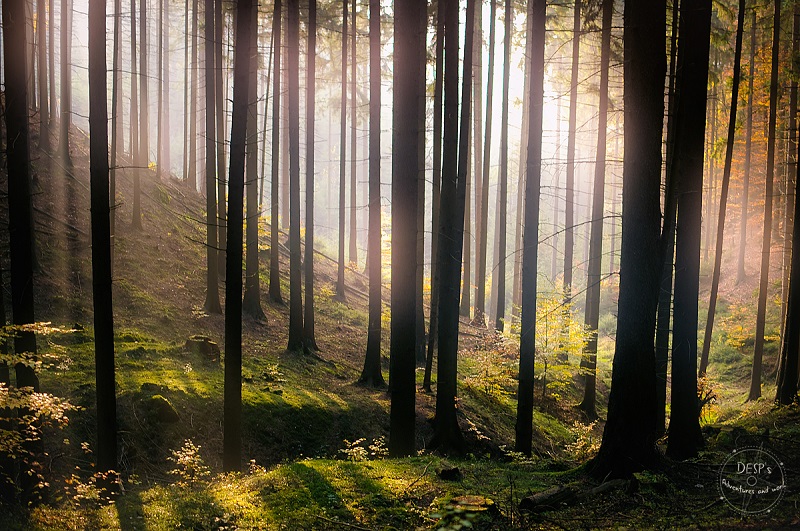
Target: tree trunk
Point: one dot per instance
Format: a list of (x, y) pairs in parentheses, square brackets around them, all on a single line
[(447, 436), (66, 83), (726, 177), (420, 254), (51, 64), (192, 177), (690, 119), (758, 352), (592, 319), (477, 136), (160, 88), (343, 157), (792, 161), (274, 250), (295, 256), (371, 374), (405, 137), (530, 238), (116, 122), (219, 26), (144, 92), (569, 238), (267, 82), (503, 191), (480, 272), (41, 65), (232, 427), (212, 304), (353, 250), (433, 325), (186, 104), (556, 199), (134, 116), (165, 89), (748, 139), (251, 303), (101, 241), (629, 436)]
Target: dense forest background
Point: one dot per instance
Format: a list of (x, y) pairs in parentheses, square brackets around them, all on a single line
[(361, 264)]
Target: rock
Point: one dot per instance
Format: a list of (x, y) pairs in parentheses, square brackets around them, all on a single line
[(450, 474), (160, 409), (204, 346), (149, 388)]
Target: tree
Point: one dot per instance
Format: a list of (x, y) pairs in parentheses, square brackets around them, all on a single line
[(503, 191), (404, 205), (51, 62), (748, 139), (592, 316), (309, 336), (274, 251), (447, 435), (766, 242), (232, 426), (219, 107), (477, 132), (569, 232), (212, 304), (295, 256), (116, 120), (41, 63), (530, 238), (160, 89), (791, 148), (353, 249), (134, 114), (629, 436), (252, 285), (695, 33), (371, 374), (421, 177), (101, 241), (342, 157), (66, 84), (192, 151), (726, 177), (480, 271)]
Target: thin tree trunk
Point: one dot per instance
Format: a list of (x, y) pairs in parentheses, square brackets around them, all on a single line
[(160, 89), (371, 374), (66, 83), (219, 94), (144, 92), (267, 83), (477, 136), (556, 199), (343, 157), (186, 69), (758, 352), (726, 176), (167, 136), (353, 250), (116, 122), (274, 251), (748, 136), (309, 335), (569, 238), (134, 116), (592, 319), (420, 254), (51, 64), (192, 176), (41, 64)]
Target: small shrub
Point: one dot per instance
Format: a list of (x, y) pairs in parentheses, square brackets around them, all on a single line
[(355, 451), (190, 468), (586, 444)]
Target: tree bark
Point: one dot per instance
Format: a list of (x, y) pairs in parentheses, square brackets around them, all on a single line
[(343, 157), (41, 66), (274, 251), (192, 176), (219, 107), (353, 250), (66, 83), (309, 335), (748, 139), (569, 238), (295, 256)]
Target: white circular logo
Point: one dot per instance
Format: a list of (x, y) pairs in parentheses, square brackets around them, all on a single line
[(752, 480)]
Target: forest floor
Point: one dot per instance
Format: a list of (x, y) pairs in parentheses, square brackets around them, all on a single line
[(315, 437)]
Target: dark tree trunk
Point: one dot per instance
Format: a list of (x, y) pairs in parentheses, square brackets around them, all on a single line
[(447, 436), (791, 157), (134, 117), (629, 436), (160, 90), (433, 326), (726, 177), (405, 137), (503, 191), (690, 119), (101, 241), (342, 157), (748, 143), (232, 427), (252, 286), (592, 319), (309, 336), (353, 250), (295, 256), (421, 177), (212, 304), (758, 352), (274, 250), (371, 374), (569, 222), (477, 135), (51, 64), (192, 152), (530, 238), (480, 272), (219, 26), (66, 83), (116, 122), (41, 66)]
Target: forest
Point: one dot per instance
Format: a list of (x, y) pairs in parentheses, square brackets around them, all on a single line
[(381, 264)]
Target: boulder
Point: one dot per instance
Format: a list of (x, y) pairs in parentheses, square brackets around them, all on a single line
[(160, 409)]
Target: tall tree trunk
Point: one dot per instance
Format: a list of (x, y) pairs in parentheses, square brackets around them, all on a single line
[(295, 256), (477, 137), (758, 352), (556, 199), (116, 122), (630, 431), (569, 222), (134, 115), (433, 326), (251, 304), (723, 202), (212, 304), (353, 250), (480, 272), (592, 320), (41, 65), (219, 26), (405, 137), (690, 119), (192, 176), (792, 161), (144, 92), (530, 239), (447, 434), (309, 335), (267, 82), (186, 74), (66, 83), (503, 189), (51, 63), (421, 176), (160, 89), (343, 157), (101, 241), (371, 374), (274, 250), (166, 92), (748, 143), (232, 427)]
